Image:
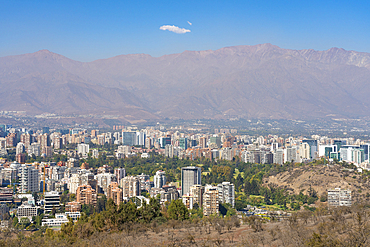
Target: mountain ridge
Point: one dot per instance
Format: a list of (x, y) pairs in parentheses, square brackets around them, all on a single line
[(261, 81)]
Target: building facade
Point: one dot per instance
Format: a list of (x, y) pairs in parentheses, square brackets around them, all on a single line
[(226, 193), (190, 176)]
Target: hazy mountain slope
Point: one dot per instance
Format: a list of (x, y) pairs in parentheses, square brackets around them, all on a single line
[(262, 81), (40, 84)]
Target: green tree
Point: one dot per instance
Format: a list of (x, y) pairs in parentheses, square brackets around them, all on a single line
[(177, 210), (15, 221), (100, 204)]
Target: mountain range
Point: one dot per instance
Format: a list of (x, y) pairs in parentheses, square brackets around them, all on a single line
[(261, 81)]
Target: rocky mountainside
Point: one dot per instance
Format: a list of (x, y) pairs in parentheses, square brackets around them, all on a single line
[(261, 81)]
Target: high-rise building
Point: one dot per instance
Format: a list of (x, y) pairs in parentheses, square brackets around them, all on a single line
[(119, 173), (129, 138), (140, 138), (143, 179), (20, 148), (148, 142), (190, 176), (313, 147), (304, 151), (159, 179), (115, 193), (73, 184), (226, 193), (203, 142), (366, 148), (89, 179), (44, 141), (215, 141), (339, 143), (57, 142), (8, 175), (11, 140), (130, 186), (193, 143), (29, 179), (2, 142), (52, 200), (279, 156), (86, 195), (291, 154), (94, 133), (210, 201), (47, 151), (101, 139), (197, 192), (83, 149), (169, 151), (163, 141), (352, 154), (183, 143), (26, 139), (104, 179)]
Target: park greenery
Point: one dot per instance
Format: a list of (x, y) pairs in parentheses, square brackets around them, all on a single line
[(247, 177)]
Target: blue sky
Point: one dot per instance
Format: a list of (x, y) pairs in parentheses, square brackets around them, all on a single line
[(89, 30)]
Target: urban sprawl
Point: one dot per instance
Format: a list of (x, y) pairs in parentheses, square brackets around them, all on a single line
[(34, 184)]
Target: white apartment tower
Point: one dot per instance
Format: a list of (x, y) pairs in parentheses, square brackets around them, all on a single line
[(20, 148), (130, 186), (83, 149), (226, 193), (159, 179), (168, 151), (73, 184), (29, 179)]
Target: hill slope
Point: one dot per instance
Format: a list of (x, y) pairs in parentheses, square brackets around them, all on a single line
[(321, 178)]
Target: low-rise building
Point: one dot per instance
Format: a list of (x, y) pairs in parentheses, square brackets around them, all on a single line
[(26, 210), (73, 206), (60, 219), (338, 197)]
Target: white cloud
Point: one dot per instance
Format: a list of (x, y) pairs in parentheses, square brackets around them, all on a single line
[(190, 23), (174, 29)]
